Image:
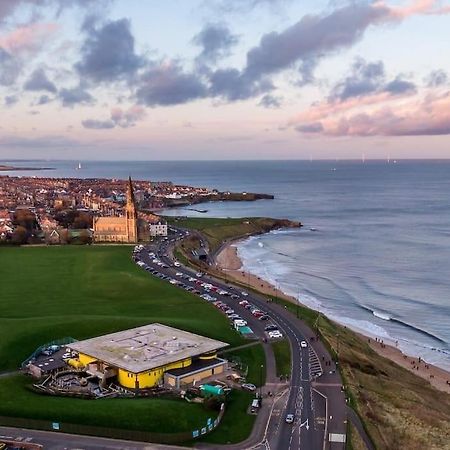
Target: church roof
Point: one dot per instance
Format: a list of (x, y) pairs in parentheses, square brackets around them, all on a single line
[(111, 220)]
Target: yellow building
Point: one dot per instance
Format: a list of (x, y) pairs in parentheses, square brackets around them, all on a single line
[(127, 229), (149, 356)]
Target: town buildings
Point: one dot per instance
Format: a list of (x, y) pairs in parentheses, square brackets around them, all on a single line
[(158, 229)]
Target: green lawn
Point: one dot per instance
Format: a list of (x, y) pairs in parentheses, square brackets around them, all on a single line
[(236, 425), (158, 415), (51, 292), (282, 352), (253, 357)]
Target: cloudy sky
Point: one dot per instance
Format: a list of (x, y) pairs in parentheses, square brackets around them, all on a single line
[(224, 79)]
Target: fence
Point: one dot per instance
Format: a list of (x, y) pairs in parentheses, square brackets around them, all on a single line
[(114, 433)]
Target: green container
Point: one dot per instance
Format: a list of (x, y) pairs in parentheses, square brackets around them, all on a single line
[(207, 390)]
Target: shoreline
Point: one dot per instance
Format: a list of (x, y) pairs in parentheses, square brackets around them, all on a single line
[(17, 169), (229, 263)]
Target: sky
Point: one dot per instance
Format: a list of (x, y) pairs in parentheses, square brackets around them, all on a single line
[(224, 79)]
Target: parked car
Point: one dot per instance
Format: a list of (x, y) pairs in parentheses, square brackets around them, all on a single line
[(249, 387), (240, 322), (275, 334)]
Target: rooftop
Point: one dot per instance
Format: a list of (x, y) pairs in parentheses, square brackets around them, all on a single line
[(147, 347)]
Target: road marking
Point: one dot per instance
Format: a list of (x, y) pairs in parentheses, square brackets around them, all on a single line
[(305, 424)]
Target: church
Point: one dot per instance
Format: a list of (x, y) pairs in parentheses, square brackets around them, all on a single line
[(127, 229)]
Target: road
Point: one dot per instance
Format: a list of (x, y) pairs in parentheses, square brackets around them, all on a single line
[(318, 403)]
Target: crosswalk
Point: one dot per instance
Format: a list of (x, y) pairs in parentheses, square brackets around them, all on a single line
[(315, 368)]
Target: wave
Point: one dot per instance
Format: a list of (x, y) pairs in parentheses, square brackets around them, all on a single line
[(385, 316), (283, 271)]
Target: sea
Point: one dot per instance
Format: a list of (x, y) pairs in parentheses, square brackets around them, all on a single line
[(374, 250)]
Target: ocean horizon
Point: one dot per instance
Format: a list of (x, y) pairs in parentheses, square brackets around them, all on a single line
[(374, 252)]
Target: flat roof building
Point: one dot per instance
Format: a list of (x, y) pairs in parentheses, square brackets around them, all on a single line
[(140, 357)]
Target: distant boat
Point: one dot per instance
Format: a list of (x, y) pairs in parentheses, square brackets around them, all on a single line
[(313, 229), (79, 166)]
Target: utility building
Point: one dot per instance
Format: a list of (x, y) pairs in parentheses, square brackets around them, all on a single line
[(146, 356)]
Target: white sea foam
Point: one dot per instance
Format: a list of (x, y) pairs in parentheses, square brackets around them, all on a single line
[(259, 259)]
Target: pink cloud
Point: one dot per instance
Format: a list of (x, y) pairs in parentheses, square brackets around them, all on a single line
[(27, 38), (414, 7), (427, 117), (324, 109)]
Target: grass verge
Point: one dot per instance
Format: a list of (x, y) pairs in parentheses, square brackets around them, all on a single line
[(253, 357), (282, 352)]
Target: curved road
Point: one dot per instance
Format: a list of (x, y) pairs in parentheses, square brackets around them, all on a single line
[(315, 394)]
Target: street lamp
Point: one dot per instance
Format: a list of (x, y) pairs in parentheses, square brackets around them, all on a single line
[(260, 380)]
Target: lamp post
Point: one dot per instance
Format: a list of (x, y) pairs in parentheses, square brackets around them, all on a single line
[(260, 380)]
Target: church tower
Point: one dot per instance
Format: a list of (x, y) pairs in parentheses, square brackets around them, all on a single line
[(131, 214)]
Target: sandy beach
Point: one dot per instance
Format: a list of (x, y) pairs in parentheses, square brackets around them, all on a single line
[(230, 265)]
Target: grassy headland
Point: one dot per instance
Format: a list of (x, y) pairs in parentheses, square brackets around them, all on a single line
[(218, 231)]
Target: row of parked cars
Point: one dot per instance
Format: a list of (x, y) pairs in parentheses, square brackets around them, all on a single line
[(208, 292), (271, 329)]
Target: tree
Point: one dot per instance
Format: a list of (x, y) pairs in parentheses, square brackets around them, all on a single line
[(20, 235), (85, 237)]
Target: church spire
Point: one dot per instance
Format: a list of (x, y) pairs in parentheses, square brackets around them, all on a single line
[(131, 214), (130, 193)]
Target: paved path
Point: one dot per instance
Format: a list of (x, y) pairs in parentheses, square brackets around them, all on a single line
[(356, 421)]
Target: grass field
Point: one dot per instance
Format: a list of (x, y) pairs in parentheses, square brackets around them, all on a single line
[(253, 357), (282, 352), (52, 292), (235, 426), (159, 415)]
